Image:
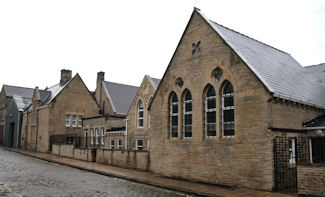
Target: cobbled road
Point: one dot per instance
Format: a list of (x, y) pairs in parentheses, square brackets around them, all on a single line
[(26, 176)]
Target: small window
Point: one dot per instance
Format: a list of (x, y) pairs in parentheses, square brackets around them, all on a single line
[(139, 144), (173, 116), (187, 114), (97, 136), (111, 144), (317, 150), (140, 114), (292, 151), (119, 144), (91, 136), (74, 120), (103, 136), (228, 111), (80, 121), (69, 140), (67, 120), (210, 112), (149, 119), (217, 74)]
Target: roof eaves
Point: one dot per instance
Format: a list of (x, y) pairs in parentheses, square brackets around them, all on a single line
[(109, 97), (267, 85), (282, 96)]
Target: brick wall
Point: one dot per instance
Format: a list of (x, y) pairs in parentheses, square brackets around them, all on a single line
[(311, 180)]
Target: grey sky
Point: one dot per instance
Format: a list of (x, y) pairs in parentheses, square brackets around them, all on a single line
[(128, 39)]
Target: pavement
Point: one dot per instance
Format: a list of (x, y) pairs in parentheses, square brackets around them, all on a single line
[(149, 178)]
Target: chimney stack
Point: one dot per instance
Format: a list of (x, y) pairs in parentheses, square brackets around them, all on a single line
[(66, 75)]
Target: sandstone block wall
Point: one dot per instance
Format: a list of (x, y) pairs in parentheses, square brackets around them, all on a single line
[(311, 180)]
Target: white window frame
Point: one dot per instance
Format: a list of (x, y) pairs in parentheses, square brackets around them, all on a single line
[(111, 144), (209, 110), (103, 136), (173, 115), (149, 121), (137, 146), (91, 136), (67, 120), (292, 151), (119, 144), (187, 113), (79, 121), (138, 114), (97, 135), (225, 109), (85, 137), (74, 121)]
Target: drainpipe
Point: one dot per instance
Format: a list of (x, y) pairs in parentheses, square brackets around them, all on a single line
[(18, 129), (126, 134)]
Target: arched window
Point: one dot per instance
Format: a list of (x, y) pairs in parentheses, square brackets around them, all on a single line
[(173, 115), (140, 114), (228, 115), (210, 112), (187, 114)]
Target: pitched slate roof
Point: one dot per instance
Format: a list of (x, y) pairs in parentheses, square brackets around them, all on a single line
[(22, 102), (21, 91), (120, 96), (318, 71), (281, 74), (155, 81), (56, 89)]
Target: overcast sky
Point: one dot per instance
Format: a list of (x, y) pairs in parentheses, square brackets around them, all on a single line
[(128, 39)]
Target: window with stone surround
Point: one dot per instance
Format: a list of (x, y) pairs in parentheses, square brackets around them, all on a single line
[(67, 120), (140, 114), (173, 104), (119, 144), (111, 144), (103, 136), (74, 120), (91, 136), (187, 114), (139, 144), (210, 112), (228, 110), (97, 136), (79, 121)]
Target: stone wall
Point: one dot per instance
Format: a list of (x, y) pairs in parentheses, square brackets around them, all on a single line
[(126, 159), (68, 150), (311, 180)]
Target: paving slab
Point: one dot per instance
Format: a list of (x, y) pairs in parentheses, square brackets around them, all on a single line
[(150, 178)]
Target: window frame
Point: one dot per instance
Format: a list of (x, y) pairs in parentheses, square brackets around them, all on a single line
[(138, 114), (92, 136), (223, 109), (206, 110), (119, 144), (67, 120), (171, 114), (112, 144), (102, 136), (74, 121), (139, 146), (97, 136), (80, 121), (185, 113), (292, 150)]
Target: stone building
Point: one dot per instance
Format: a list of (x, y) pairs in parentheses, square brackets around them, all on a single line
[(6, 97), (14, 120), (57, 111), (139, 120), (107, 129), (223, 102)]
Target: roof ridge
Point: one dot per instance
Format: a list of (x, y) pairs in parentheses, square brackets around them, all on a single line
[(321, 64), (121, 84), (249, 37)]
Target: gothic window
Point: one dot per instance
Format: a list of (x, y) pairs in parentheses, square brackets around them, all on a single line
[(217, 74), (187, 114), (228, 115), (179, 82), (210, 112), (140, 114), (173, 115)]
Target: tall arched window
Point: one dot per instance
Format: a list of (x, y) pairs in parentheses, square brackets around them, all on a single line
[(228, 115), (140, 114), (173, 116), (187, 114), (210, 112)]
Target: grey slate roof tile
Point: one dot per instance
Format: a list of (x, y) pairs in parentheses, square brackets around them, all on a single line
[(20, 91), (282, 75), (155, 82), (22, 102), (120, 96)]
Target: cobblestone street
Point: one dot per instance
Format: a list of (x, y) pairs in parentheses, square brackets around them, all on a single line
[(26, 176)]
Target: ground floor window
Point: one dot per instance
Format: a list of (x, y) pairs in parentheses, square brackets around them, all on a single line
[(317, 150), (112, 144), (103, 136), (139, 144), (292, 150), (69, 140)]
